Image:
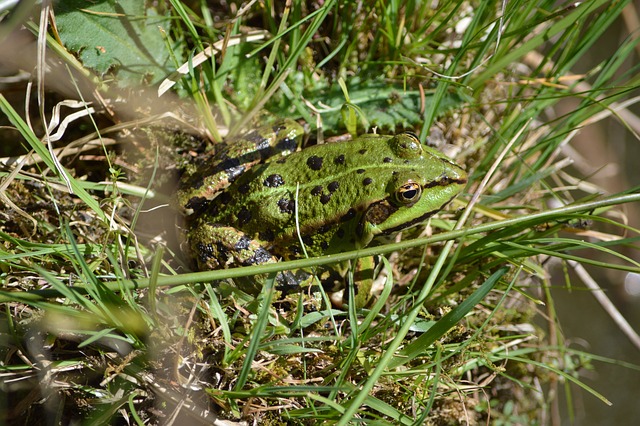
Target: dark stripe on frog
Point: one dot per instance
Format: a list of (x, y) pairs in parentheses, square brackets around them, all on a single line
[(219, 177), (262, 148), (235, 165), (262, 145), (444, 181)]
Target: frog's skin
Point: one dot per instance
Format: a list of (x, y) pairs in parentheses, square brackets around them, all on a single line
[(213, 173), (344, 194)]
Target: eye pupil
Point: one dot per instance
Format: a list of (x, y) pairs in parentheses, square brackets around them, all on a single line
[(409, 193)]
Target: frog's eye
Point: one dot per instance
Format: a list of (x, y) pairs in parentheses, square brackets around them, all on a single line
[(407, 145), (408, 193)]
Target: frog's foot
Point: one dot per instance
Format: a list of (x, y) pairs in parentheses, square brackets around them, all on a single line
[(216, 246), (334, 280)]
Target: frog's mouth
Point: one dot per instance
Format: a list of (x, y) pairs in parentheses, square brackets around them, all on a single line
[(416, 220), (413, 222), (445, 180)]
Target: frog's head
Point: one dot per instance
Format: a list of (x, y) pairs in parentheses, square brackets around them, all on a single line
[(419, 188)]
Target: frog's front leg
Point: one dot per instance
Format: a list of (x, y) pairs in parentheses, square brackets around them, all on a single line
[(363, 278), (216, 246)]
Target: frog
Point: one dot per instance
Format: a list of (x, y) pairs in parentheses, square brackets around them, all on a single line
[(262, 198)]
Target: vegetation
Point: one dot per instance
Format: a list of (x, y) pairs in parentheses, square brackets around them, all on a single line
[(104, 322)]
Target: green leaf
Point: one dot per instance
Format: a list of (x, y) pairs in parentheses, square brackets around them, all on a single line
[(385, 105), (123, 38)]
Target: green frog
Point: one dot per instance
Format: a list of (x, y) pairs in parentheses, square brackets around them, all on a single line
[(254, 199)]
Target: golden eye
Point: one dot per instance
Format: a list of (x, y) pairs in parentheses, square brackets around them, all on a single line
[(408, 193)]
